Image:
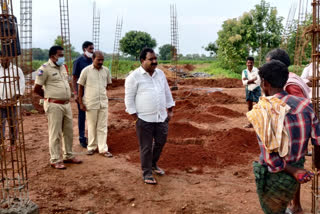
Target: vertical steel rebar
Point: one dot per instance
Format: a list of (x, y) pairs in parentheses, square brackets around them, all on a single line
[(65, 33), (96, 27), (115, 55), (26, 47), (174, 44), (13, 164)]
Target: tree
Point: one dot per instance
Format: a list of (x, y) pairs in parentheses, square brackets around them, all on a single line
[(254, 33), (134, 41), (165, 52), (74, 54), (212, 48)]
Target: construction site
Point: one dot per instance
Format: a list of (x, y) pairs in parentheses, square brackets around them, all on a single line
[(207, 158)]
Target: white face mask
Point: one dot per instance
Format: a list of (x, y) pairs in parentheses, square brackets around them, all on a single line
[(88, 54)]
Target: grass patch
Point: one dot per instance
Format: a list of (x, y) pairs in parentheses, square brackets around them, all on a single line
[(215, 69)]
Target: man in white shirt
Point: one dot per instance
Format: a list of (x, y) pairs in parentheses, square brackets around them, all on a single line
[(149, 100), (12, 86), (251, 79)]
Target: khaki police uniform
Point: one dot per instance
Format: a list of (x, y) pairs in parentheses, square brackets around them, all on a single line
[(96, 101), (57, 93)]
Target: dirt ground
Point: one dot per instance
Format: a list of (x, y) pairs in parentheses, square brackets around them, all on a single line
[(207, 159)]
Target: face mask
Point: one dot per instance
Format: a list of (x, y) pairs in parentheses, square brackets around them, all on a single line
[(88, 54), (60, 61)]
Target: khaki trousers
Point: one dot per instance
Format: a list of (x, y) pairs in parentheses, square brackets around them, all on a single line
[(97, 120), (59, 125)]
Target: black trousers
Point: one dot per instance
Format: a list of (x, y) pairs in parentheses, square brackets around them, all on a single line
[(152, 138)]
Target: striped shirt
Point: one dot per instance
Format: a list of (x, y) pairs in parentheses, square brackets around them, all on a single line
[(301, 124)]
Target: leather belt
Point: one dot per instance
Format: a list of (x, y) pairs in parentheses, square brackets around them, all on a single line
[(50, 100)]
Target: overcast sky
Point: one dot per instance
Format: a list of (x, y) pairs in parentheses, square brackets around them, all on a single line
[(198, 20)]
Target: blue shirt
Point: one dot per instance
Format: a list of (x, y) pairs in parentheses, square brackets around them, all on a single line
[(79, 64)]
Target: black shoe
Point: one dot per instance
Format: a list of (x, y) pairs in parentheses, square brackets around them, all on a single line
[(84, 142), (84, 145)]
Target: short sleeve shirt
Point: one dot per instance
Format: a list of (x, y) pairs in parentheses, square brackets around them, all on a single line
[(54, 80), (95, 83)]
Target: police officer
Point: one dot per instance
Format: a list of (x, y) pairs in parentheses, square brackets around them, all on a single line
[(52, 84)]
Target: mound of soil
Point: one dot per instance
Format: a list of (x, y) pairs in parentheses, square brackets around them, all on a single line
[(122, 115), (122, 141), (219, 97), (197, 117), (223, 148), (182, 105), (219, 110), (184, 130), (117, 83), (223, 82)]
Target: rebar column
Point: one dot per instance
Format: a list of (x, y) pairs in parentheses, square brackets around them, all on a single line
[(96, 27), (26, 47), (302, 16), (14, 196), (115, 55), (174, 44), (65, 33), (315, 98)]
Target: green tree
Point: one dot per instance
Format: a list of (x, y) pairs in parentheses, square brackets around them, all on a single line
[(134, 41), (212, 48), (165, 52), (74, 53), (255, 33)]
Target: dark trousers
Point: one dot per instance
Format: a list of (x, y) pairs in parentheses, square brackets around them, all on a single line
[(152, 138), (81, 124)]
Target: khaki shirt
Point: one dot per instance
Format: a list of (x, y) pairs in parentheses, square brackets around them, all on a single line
[(54, 80), (95, 84)]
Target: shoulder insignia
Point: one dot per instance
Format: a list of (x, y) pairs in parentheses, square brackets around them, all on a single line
[(40, 72)]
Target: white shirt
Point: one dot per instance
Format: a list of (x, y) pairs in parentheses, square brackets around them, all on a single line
[(251, 75), (306, 73), (5, 83), (148, 96)]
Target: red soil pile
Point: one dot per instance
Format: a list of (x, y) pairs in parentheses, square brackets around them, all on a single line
[(197, 117), (117, 82), (122, 141), (122, 114), (232, 147), (223, 82), (187, 67), (183, 105), (184, 130), (222, 98), (218, 110)]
